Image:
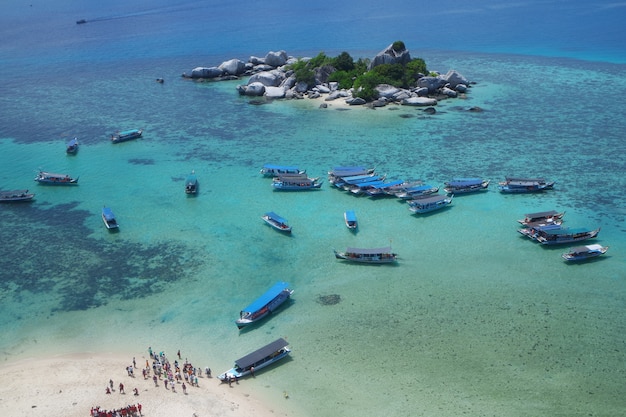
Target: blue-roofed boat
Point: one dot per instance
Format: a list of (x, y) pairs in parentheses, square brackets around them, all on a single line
[(349, 216), (408, 193), (465, 185), (427, 203), (109, 218), (582, 253), (49, 178), (514, 185), (295, 182), (381, 189), (72, 147), (361, 187), (264, 305), (564, 235), (257, 360), (126, 135), (338, 173), (191, 183), (368, 256), (347, 182), (276, 222), (271, 170), (15, 196)]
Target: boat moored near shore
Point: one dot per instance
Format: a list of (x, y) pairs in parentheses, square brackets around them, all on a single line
[(257, 360), (368, 256), (276, 222), (15, 196), (126, 135), (582, 253), (50, 178)]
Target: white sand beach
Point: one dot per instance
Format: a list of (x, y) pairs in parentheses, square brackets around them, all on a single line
[(71, 385)]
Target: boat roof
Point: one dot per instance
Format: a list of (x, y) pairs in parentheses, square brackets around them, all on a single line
[(276, 217), (429, 199), (52, 174), (128, 132), (368, 183), (542, 214), (13, 192), (388, 184), (73, 142), (419, 188), (585, 248), (372, 251), (464, 182), (108, 213), (350, 216), (282, 167), (523, 179), (252, 358), (361, 177), (269, 295), (566, 231)]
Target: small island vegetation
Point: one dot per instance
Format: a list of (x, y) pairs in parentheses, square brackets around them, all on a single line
[(361, 76)]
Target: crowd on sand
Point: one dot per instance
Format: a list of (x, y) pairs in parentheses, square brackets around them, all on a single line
[(161, 369)]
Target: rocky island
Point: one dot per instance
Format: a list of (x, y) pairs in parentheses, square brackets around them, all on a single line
[(392, 76)]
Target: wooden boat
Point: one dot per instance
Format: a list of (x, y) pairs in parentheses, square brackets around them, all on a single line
[(109, 218), (72, 147), (337, 174), (377, 190), (15, 196), (551, 216), (257, 360), (295, 182), (347, 182), (191, 183), (582, 253), (126, 135), (414, 191), (264, 305), (465, 185), (564, 235), (514, 185), (55, 179), (271, 170), (276, 222), (428, 203), (349, 216), (532, 230), (369, 256)]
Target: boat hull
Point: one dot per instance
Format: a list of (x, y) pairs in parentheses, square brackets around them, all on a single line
[(17, 196), (55, 179), (590, 252), (372, 258), (249, 318), (126, 136)]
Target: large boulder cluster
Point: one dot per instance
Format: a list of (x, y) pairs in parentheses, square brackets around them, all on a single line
[(271, 77)]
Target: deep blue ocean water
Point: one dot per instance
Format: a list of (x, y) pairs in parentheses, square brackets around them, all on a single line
[(473, 320)]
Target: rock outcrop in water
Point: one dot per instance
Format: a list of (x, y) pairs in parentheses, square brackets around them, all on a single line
[(272, 77)]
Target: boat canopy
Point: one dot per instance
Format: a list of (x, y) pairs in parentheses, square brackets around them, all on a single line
[(269, 295), (584, 249), (419, 188), (522, 179), (73, 142), (373, 251), (276, 217), (350, 216), (13, 192), (387, 184), (108, 214), (464, 182), (51, 174), (280, 167), (261, 353), (541, 214), (566, 231), (361, 178), (128, 132), (422, 201)]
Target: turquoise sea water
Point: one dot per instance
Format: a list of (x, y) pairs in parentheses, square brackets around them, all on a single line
[(473, 320)]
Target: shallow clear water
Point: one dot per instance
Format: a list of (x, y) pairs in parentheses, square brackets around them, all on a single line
[(474, 318)]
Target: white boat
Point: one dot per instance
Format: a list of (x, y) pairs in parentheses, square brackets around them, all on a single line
[(582, 253), (428, 203), (109, 218), (551, 216), (465, 185), (191, 183), (15, 196), (369, 256), (349, 217), (276, 222), (126, 135), (50, 178), (257, 360), (264, 305), (295, 182), (272, 170)]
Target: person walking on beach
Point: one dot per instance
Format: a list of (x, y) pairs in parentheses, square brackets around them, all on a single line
[(166, 381), (111, 384), (184, 389), (134, 363), (108, 391), (122, 388), (139, 409), (156, 381), (136, 391), (179, 354)]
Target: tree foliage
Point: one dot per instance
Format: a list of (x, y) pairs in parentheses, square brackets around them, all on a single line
[(349, 74)]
